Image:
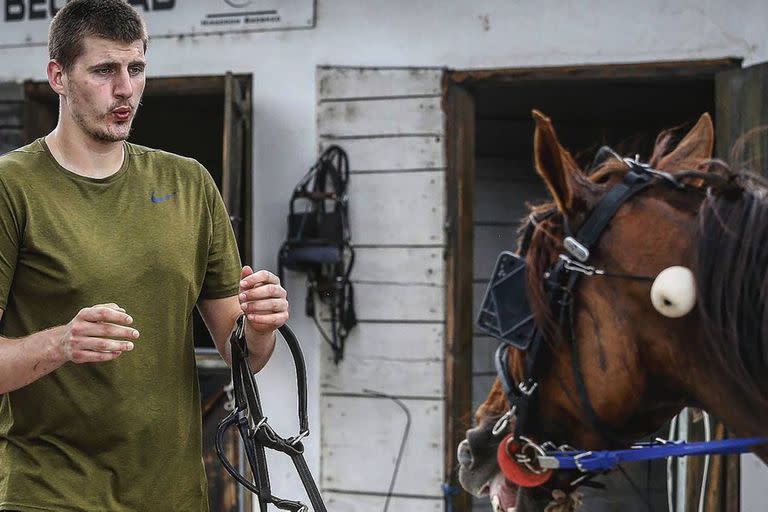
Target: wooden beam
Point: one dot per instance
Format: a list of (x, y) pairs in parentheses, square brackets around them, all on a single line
[(460, 176), (663, 69)]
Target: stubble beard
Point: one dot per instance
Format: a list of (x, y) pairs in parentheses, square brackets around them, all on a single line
[(101, 133), (98, 126)]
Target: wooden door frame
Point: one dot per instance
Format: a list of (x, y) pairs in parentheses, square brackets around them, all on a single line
[(459, 222)]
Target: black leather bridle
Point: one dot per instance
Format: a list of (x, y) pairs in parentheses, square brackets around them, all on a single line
[(257, 434), (560, 283)]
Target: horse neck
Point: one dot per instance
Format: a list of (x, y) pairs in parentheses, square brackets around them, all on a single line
[(731, 271)]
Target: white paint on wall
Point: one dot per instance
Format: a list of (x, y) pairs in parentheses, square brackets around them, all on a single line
[(754, 475), (428, 33)]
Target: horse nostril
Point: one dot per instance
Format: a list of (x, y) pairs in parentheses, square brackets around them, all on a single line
[(464, 454)]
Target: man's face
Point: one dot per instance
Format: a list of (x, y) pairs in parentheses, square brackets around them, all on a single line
[(103, 88)]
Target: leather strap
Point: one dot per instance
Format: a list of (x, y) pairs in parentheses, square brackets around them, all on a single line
[(634, 181), (560, 286), (257, 434)]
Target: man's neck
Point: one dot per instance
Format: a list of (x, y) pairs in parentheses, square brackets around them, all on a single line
[(83, 155)]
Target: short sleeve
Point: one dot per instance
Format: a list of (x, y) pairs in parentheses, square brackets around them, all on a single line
[(11, 235), (222, 272)]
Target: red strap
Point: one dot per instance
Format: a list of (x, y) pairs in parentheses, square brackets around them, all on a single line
[(515, 472)]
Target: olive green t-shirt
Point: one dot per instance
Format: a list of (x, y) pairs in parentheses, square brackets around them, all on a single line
[(124, 435)]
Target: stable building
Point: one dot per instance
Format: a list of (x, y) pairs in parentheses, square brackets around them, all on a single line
[(431, 100)]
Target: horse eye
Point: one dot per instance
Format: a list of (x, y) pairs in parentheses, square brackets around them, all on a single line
[(602, 179)]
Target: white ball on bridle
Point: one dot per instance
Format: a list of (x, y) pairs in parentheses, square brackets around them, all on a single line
[(673, 293)]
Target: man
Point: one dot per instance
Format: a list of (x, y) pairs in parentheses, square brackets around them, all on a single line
[(105, 249)]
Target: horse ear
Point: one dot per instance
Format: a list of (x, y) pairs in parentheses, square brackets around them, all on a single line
[(568, 185), (695, 147)]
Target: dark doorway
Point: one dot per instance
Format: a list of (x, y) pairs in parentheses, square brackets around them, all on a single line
[(491, 178)]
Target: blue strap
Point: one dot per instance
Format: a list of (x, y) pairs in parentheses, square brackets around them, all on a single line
[(605, 460), (449, 492)]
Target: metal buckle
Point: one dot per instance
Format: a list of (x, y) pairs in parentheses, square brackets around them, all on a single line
[(576, 248), (501, 423), (577, 460), (548, 446), (575, 266), (633, 163), (295, 440), (229, 390), (528, 459), (240, 326), (261, 423), (549, 462), (526, 390)]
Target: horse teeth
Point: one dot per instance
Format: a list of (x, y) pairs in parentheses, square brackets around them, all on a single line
[(512, 509)]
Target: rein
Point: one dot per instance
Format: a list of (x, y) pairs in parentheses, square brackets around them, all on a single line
[(257, 434), (506, 315)]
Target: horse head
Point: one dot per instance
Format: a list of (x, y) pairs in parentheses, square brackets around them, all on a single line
[(635, 345)]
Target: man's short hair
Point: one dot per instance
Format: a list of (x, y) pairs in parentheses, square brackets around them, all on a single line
[(109, 19)]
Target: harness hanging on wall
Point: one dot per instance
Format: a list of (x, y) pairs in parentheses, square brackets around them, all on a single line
[(318, 244)]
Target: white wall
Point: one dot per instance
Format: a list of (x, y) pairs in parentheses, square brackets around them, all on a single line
[(429, 33)]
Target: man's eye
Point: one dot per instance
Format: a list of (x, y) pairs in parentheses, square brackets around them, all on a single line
[(136, 70), (103, 71)]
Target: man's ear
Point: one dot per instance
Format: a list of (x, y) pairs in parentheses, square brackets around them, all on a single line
[(56, 76), (572, 191)]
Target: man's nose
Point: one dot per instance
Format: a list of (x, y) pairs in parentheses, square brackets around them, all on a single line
[(123, 88)]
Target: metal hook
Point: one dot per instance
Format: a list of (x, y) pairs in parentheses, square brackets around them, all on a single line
[(501, 424)]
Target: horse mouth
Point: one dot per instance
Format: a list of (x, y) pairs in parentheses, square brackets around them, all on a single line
[(503, 494)]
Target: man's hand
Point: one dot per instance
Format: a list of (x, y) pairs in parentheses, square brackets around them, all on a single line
[(97, 334), (263, 300)]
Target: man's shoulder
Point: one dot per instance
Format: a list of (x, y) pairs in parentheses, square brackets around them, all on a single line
[(22, 155), (159, 156), (19, 163)]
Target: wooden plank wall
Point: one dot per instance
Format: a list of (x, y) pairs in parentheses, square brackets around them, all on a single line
[(11, 116), (391, 123)]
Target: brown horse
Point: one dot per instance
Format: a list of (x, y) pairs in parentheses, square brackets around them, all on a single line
[(640, 367)]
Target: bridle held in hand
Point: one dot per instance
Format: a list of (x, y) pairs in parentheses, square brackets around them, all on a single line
[(257, 434)]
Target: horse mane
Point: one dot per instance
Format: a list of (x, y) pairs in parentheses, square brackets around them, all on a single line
[(730, 267), (731, 271)]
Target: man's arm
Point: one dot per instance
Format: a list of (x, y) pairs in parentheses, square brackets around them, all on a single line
[(263, 301), (96, 334)]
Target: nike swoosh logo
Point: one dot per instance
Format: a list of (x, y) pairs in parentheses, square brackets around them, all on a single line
[(161, 199)]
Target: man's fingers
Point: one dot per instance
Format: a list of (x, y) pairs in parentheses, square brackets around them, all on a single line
[(258, 278), (110, 305), (267, 291), (105, 330), (90, 356), (266, 306), (245, 272), (84, 329), (273, 320), (104, 314), (104, 345)]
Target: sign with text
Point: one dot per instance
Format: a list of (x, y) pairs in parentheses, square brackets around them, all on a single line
[(25, 22)]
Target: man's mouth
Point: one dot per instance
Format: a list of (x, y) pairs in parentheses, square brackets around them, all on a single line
[(122, 113)]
